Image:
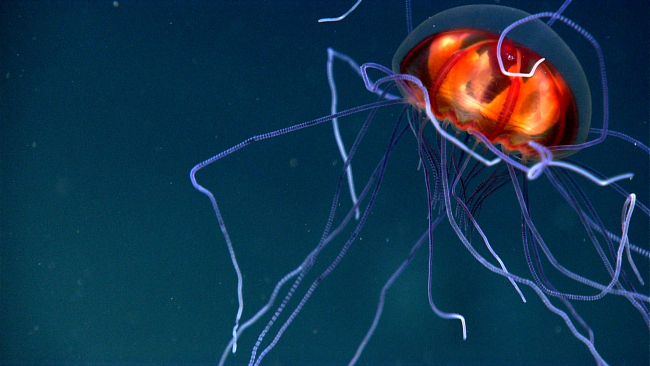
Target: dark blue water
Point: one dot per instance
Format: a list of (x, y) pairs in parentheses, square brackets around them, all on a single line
[(109, 256)]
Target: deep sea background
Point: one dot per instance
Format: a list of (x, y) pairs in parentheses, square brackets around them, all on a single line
[(109, 256)]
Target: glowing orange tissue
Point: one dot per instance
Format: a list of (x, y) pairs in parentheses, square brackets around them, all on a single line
[(460, 71)]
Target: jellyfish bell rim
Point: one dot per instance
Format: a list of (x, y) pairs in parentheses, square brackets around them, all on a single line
[(535, 35)]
